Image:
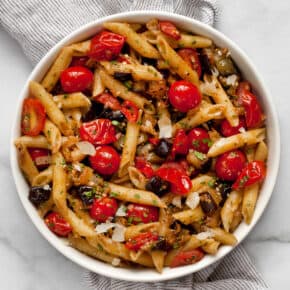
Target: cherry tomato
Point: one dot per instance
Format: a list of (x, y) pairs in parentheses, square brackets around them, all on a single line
[(139, 213), (57, 224), (106, 46), (33, 117), (253, 111), (130, 110), (144, 167), (180, 166), (253, 172), (180, 182), (169, 29), (191, 57), (228, 130), (98, 132), (79, 61), (123, 59), (199, 140), (108, 101), (187, 258), (184, 96), (140, 241), (180, 143), (76, 79), (106, 161), (154, 140), (41, 157), (103, 208), (230, 164)]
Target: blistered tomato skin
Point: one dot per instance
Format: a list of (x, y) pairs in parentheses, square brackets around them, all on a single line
[(187, 258), (191, 57), (41, 157), (180, 143), (141, 240), (169, 29), (76, 79), (137, 213), (57, 224), (106, 160), (184, 96), (199, 140), (228, 130), (230, 164), (103, 208)]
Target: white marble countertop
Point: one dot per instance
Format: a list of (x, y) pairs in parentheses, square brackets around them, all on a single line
[(262, 29)]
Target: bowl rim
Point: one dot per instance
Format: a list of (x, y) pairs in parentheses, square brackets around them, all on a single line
[(174, 273)]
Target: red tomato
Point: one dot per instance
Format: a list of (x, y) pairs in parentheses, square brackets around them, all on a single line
[(253, 111), (184, 96), (144, 167), (106, 46), (139, 213), (180, 182), (103, 208), (180, 143), (41, 157), (98, 132), (33, 117), (57, 224), (191, 57), (169, 29), (254, 172), (79, 61), (108, 101), (154, 140), (199, 140), (142, 240), (124, 59), (187, 258), (76, 79), (130, 110), (106, 161), (230, 164), (228, 130), (180, 166)]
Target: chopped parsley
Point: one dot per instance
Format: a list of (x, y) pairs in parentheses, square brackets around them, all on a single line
[(243, 181), (207, 141), (199, 155), (137, 196), (195, 143), (154, 201), (114, 194), (115, 123), (211, 183), (128, 85)]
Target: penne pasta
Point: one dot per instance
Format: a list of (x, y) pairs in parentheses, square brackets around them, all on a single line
[(81, 48), (52, 135), (33, 142), (133, 231), (189, 41), (98, 86), (249, 202), (222, 236), (189, 216), (72, 101), (44, 177)]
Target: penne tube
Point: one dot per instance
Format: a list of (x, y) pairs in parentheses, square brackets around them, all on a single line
[(135, 40), (249, 202), (52, 110), (98, 86), (236, 141), (261, 151), (193, 243), (136, 177), (189, 41), (81, 48), (222, 236), (72, 101), (135, 195), (44, 177), (52, 135), (133, 231), (211, 246), (189, 216), (158, 259), (61, 63), (236, 219), (33, 142), (176, 62)]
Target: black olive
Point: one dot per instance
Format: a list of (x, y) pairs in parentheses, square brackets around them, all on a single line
[(122, 76), (157, 185), (161, 244), (225, 189), (207, 203), (149, 61), (205, 64), (163, 148), (39, 194), (94, 112), (125, 48), (165, 73), (205, 166), (85, 193), (113, 115)]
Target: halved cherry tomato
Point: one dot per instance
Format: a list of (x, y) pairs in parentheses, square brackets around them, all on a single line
[(191, 57), (106, 46), (139, 213), (79, 61), (180, 143), (199, 140), (187, 258), (228, 130), (253, 111), (254, 172), (144, 167), (98, 132), (76, 79), (33, 117), (142, 240), (106, 161), (154, 140), (180, 182), (108, 101), (184, 96), (176, 165), (103, 208), (57, 224), (230, 164), (124, 59), (169, 29), (130, 110), (41, 157)]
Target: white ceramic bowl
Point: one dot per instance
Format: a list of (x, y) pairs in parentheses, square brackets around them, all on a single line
[(250, 73)]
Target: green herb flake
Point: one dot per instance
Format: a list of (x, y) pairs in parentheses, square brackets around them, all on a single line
[(211, 183), (136, 195), (100, 248), (130, 219), (114, 194), (243, 181), (199, 155), (113, 62), (115, 123), (195, 143), (128, 85), (65, 96), (154, 201), (207, 141), (175, 245)]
